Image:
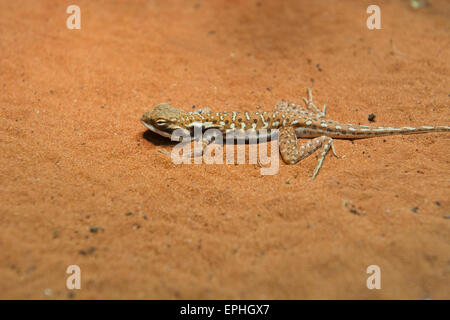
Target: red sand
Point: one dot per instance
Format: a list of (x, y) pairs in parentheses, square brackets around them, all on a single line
[(74, 153)]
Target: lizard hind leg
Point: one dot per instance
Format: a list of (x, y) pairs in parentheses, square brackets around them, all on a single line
[(292, 153), (311, 106)]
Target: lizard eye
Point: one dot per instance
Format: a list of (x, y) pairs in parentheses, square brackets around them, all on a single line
[(160, 122)]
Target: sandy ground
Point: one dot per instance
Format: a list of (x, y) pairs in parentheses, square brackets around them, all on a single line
[(74, 154)]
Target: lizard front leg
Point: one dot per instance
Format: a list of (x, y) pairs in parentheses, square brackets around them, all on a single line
[(201, 142), (292, 153), (199, 147)]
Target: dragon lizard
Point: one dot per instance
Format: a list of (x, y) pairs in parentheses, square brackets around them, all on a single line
[(291, 120)]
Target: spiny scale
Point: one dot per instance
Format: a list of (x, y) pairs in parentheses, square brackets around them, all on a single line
[(293, 121)]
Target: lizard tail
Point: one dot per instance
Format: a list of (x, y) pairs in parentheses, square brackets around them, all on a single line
[(360, 131), (335, 129)]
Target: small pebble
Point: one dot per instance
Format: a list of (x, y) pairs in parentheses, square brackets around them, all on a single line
[(136, 226), (90, 251)]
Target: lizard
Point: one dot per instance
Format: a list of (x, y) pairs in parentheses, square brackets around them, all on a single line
[(290, 119)]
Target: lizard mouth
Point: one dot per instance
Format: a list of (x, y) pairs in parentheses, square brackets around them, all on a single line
[(156, 130)]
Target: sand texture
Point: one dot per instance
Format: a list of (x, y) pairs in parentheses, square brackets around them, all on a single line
[(84, 183)]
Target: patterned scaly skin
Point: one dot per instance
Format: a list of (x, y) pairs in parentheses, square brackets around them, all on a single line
[(291, 120)]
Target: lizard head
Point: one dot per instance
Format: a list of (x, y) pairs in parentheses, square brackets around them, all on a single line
[(163, 119)]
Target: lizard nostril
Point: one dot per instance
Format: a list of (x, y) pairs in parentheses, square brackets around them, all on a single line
[(145, 117)]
